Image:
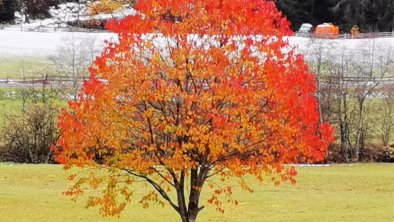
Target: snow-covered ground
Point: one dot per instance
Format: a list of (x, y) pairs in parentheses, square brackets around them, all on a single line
[(42, 44), (17, 43), (65, 14), (338, 44)]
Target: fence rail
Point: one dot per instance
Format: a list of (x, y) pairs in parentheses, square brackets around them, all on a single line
[(51, 28), (66, 81), (53, 81), (56, 28), (368, 35)]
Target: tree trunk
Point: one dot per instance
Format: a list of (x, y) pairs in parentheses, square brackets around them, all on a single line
[(360, 129), (344, 125), (189, 212), (194, 196)]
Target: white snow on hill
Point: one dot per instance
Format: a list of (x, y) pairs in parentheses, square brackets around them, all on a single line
[(13, 42), (304, 43), (41, 44), (65, 14), (17, 43)]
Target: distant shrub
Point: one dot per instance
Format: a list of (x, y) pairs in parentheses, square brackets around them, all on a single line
[(89, 24), (104, 6), (27, 137)]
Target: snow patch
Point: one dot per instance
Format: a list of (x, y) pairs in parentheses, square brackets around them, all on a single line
[(68, 13), (38, 44), (17, 43)]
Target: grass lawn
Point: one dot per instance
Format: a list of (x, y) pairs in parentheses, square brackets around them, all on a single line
[(18, 67), (360, 192), (8, 107), (11, 107)]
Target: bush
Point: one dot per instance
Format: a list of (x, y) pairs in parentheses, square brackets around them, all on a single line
[(89, 24), (26, 138)]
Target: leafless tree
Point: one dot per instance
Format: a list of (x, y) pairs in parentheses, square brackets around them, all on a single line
[(348, 82), (320, 56), (73, 58), (386, 115)]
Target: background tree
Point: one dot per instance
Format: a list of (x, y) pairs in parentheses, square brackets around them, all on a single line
[(73, 59), (35, 9), (369, 15), (106, 6), (369, 65), (7, 9), (307, 11), (353, 92), (320, 56), (295, 11), (203, 97), (386, 116)]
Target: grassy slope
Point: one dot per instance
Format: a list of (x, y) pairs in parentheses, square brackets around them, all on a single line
[(19, 67), (338, 193)]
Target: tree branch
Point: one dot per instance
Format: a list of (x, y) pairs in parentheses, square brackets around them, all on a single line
[(157, 187)]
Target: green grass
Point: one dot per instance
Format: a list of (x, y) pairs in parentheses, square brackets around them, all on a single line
[(19, 67), (360, 192), (12, 107), (9, 107)]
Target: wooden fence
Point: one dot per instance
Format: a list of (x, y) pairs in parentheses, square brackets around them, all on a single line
[(56, 28), (53, 81), (368, 35)]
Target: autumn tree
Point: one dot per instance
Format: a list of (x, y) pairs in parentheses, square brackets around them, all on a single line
[(191, 90), (106, 6)]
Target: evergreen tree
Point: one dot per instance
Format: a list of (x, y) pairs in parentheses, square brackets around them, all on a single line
[(306, 11), (369, 15), (294, 10), (7, 10)]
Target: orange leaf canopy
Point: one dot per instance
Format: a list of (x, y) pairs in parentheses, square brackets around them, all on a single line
[(197, 84)]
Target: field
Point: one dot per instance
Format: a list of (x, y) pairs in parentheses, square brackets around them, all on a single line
[(20, 67), (359, 192)]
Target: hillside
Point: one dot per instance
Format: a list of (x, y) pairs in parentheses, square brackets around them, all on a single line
[(17, 43), (369, 16)]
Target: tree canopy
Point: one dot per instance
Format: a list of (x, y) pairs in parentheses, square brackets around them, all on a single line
[(191, 90)]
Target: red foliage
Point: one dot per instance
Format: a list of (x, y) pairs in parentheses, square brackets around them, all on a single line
[(214, 89)]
